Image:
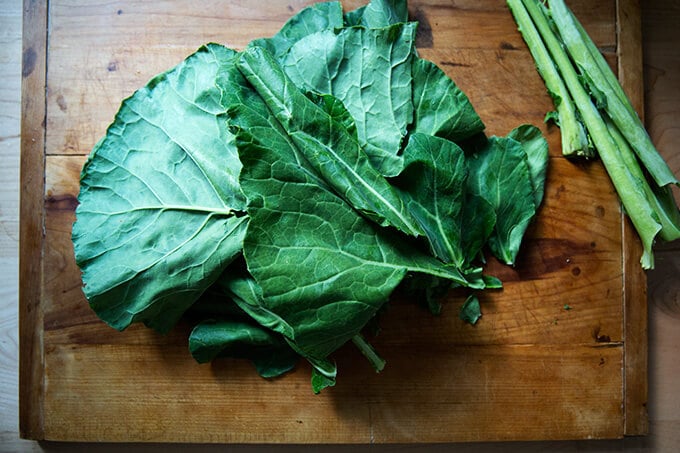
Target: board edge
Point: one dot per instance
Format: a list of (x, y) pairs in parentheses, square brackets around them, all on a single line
[(31, 219), (635, 388)]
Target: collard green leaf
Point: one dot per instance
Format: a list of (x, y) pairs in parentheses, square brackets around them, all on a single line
[(329, 147), (477, 222), (433, 183), (470, 311), (316, 17), (383, 13), (441, 108), (536, 148), (499, 172), (353, 18), (369, 71), (268, 350), (247, 294), (157, 220), (457, 223), (322, 267)]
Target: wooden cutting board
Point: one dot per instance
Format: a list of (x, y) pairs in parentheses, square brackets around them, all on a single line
[(560, 352)]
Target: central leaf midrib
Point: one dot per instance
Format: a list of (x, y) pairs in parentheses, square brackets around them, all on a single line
[(210, 211), (412, 228)]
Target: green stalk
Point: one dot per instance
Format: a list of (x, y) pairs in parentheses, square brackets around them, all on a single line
[(602, 64), (367, 350), (661, 200), (630, 192), (574, 137), (618, 109)]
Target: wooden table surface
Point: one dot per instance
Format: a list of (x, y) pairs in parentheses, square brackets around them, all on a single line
[(662, 107)]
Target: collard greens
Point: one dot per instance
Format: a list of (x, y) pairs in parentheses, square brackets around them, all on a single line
[(276, 197), (158, 219)]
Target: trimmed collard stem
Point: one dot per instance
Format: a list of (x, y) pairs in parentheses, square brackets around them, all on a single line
[(661, 199), (629, 188), (602, 78), (574, 137)]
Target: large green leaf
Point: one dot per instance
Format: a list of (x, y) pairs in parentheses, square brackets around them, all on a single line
[(536, 148), (369, 70), (499, 172), (316, 17), (383, 13), (441, 108), (157, 220), (326, 143), (433, 182), (242, 288), (477, 222), (323, 268)]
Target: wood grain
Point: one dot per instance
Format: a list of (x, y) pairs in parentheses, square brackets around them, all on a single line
[(387, 408), (635, 283), (445, 381), (10, 131), (31, 365), (129, 44)]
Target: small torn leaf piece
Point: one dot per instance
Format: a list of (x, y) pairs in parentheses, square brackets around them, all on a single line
[(552, 116), (321, 381), (268, 350), (470, 311)]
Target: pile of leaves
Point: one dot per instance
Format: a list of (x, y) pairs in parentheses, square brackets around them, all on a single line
[(278, 196)]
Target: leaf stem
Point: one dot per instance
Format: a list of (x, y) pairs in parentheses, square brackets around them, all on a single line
[(629, 188), (367, 350), (574, 137), (667, 213), (618, 106)]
